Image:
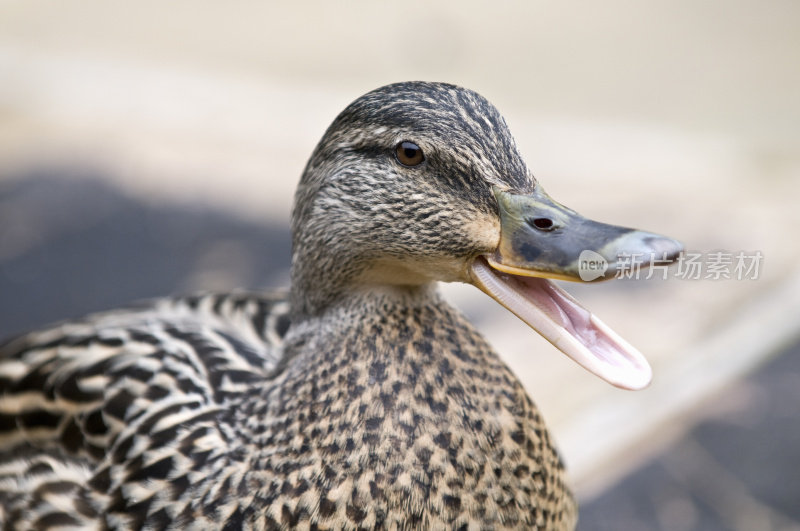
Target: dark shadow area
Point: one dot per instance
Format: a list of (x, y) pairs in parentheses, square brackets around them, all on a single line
[(71, 244), (737, 470)]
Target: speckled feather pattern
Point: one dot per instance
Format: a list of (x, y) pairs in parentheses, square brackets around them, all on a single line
[(410, 421), (360, 400)]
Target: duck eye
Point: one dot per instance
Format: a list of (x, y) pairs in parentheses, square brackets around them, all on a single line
[(409, 154)]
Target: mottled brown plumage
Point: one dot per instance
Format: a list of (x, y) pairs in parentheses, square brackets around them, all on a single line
[(361, 400)]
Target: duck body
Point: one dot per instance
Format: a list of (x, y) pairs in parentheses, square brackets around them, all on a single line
[(357, 400), (406, 424), (410, 420)]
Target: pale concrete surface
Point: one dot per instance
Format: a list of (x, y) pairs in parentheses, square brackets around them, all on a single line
[(679, 118)]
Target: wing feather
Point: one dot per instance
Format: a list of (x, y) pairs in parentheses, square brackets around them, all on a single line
[(79, 398)]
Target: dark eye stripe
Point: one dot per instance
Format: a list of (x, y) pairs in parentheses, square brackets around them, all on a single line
[(409, 154)]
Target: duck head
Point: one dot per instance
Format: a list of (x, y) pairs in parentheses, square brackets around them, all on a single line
[(419, 182)]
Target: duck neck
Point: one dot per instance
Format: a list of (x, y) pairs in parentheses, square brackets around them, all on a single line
[(336, 281), (318, 284), (328, 303)]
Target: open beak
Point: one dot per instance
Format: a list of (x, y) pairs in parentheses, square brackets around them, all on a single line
[(542, 239)]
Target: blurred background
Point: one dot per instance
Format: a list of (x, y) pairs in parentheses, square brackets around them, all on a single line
[(151, 148)]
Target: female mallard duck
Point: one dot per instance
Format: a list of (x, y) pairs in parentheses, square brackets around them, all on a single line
[(359, 400)]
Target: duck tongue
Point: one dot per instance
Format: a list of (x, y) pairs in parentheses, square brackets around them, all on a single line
[(566, 324)]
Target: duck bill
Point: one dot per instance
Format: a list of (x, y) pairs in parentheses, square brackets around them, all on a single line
[(540, 240)]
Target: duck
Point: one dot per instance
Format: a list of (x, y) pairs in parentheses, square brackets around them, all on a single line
[(359, 398)]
